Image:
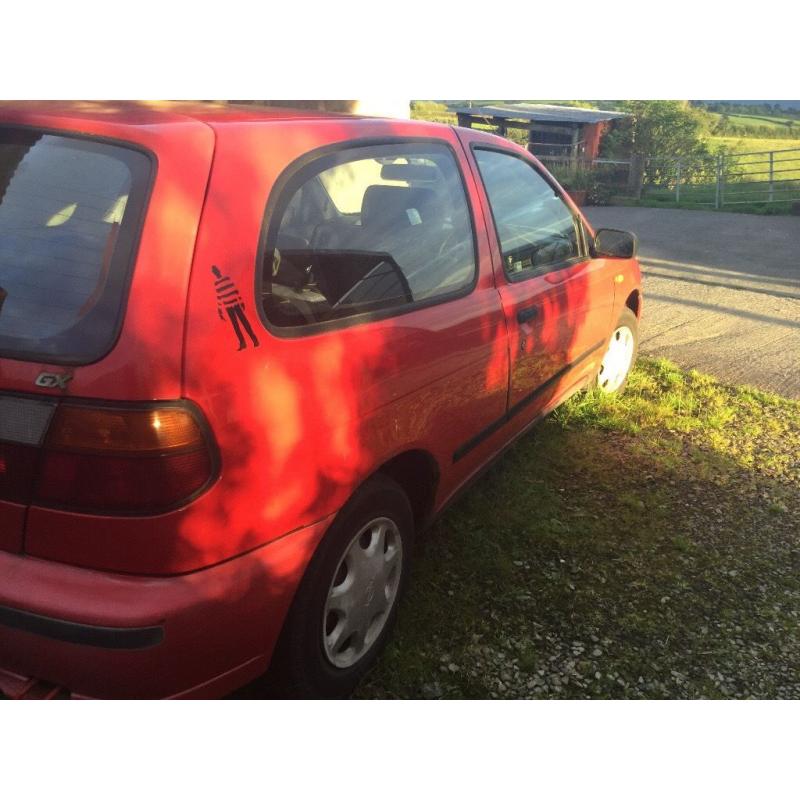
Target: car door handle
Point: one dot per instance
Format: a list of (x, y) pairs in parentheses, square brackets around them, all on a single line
[(527, 314)]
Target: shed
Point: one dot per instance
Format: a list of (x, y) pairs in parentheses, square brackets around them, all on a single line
[(557, 133)]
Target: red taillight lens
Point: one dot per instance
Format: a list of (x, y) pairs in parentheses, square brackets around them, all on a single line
[(120, 484), (122, 460), (17, 471)]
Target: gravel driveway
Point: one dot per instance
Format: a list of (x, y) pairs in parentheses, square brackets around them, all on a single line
[(722, 291)]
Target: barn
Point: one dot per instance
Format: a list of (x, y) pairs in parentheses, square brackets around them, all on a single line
[(558, 133)]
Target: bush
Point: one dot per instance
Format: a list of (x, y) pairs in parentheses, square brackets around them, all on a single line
[(599, 193)]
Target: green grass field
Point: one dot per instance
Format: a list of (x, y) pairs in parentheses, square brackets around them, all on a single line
[(757, 122), (646, 546), (431, 111), (741, 144)]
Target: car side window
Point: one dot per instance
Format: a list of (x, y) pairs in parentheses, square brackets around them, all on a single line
[(537, 230), (368, 229)]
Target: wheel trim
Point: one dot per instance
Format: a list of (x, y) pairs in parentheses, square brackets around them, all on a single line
[(617, 360), (362, 592)]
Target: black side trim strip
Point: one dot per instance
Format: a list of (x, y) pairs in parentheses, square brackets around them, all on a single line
[(495, 426), (78, 633)]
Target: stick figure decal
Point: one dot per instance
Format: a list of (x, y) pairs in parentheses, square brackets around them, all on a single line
[(229, 299)]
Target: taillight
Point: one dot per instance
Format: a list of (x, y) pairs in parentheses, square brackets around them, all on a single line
[(23, 425), (17, 471), (109, 460)]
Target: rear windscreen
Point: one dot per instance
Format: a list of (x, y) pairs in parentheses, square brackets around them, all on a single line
[(70, 210)]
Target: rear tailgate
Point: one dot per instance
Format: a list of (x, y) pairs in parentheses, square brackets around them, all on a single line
[(98, 219)]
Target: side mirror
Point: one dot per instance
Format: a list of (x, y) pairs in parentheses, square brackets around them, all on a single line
[(610, 243)]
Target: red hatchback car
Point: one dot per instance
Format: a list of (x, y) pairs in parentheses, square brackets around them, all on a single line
[(245, 356)]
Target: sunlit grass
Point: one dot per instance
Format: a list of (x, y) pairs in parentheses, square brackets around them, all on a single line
[(640, 546)]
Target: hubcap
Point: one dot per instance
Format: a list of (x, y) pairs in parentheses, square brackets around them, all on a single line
[(617, 360), (362, 592)]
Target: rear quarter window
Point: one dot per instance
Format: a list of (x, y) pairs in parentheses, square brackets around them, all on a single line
[(367, 230), (70, 210)]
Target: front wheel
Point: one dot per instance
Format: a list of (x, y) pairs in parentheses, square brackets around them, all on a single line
[(620, 354)]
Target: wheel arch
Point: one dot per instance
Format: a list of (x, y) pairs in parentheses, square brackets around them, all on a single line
[(634, 302), (417, 473)]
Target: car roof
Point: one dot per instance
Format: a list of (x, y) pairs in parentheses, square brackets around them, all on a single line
[(153, 123), (160, 112)]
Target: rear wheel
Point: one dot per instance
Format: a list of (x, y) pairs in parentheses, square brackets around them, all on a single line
[(346, 605), (620, 354)]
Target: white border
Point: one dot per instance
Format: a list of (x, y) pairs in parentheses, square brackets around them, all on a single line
[(420, 49), (414, 50)]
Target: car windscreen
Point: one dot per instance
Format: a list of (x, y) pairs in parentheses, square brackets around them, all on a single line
[(70, 211)]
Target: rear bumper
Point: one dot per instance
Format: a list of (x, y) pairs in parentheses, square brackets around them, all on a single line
[(103, 635)]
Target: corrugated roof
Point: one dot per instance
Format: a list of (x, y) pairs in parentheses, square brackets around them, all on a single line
[(537, 112)]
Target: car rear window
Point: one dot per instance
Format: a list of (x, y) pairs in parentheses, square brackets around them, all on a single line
[(70, 210)]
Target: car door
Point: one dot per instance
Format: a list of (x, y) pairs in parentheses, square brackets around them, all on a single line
[(557, 300)]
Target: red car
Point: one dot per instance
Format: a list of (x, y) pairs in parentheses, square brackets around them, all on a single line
[(245, 357)]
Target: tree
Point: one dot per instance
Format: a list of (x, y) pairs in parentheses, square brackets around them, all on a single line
[(655, 135), (658, 128)]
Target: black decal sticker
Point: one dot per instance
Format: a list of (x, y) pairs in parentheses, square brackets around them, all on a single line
[(230, 301)]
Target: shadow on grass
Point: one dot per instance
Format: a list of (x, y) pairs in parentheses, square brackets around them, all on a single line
[(645, 546)]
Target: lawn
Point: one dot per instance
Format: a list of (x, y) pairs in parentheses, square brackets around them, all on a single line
[(640, 547)]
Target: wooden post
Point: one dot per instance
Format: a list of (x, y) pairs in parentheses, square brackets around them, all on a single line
[(718, 194), (678, 182), (771, 175)]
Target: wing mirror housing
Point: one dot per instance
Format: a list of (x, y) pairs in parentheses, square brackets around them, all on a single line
[(610, 243)]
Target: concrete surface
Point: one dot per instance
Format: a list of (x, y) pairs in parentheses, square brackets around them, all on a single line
[(721, 291)]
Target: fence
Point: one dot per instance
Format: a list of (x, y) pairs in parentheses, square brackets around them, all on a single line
[(559, 156), (729, 179)]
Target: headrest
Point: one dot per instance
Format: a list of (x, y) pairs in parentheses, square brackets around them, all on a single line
[(397, 206)]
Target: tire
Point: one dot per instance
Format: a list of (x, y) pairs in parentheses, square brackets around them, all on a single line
[(620, 355), (315, 658)]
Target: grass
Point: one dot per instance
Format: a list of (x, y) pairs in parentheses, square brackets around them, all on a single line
[(738, 144), (431, 111), (747, 187), (759, 123), (640, 546)]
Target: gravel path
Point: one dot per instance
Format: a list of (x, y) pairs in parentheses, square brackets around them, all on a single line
[(722, 291)]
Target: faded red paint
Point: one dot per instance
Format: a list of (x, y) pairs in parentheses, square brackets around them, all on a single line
[(592, 135), (299, 422)]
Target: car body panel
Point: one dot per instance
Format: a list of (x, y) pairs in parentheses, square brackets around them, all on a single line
[(215, 622), (560, 344), (313, 415), (145, 362)]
